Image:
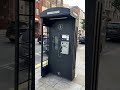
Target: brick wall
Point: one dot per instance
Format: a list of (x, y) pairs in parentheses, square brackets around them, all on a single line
[(7, 9)]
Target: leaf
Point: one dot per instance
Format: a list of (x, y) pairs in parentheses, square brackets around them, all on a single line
[(83, 24)]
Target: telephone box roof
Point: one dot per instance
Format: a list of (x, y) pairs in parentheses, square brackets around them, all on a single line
[(56, 12)]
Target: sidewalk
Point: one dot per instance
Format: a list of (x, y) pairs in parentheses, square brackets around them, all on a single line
[(52, 82)]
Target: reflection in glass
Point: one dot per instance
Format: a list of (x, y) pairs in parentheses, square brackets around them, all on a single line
[(7, 56), (109, 60), (7, 44)]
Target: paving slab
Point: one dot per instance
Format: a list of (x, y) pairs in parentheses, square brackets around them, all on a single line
[(53, 82)]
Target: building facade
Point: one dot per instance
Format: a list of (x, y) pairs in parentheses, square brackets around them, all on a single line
[(110, 12), (7, 7), (38, 9), (41, 5), (76, 9), (8, 10), (81, 17)]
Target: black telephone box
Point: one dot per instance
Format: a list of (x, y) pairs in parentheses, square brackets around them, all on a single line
[(61, 42)]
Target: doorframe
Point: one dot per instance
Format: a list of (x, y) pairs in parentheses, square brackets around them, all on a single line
[(92, 45), (16, 80)]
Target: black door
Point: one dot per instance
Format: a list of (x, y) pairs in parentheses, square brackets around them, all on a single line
[(25, 58)]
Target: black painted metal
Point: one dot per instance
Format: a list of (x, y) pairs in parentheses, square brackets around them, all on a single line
[(89, 46), (97, 47), (33, 46), (17, 47), (29, 48), (42, 73), (62, 65), (93, 13), (30, 57), (44, 69)]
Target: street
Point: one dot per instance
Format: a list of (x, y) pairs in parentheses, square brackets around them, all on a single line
[(7, 63), (7, 58), (37, 52), (109, 64)]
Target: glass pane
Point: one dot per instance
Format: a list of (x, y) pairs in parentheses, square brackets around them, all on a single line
[(25, 48), (45, 46), (23, 86), (24, 19), (7, 46), (109, 58), (23, 7)]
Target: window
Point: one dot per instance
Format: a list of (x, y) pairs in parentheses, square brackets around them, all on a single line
[(37, 0), (59, 3), (37, 11), (43, 2), (54, 2), (46, 3)]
